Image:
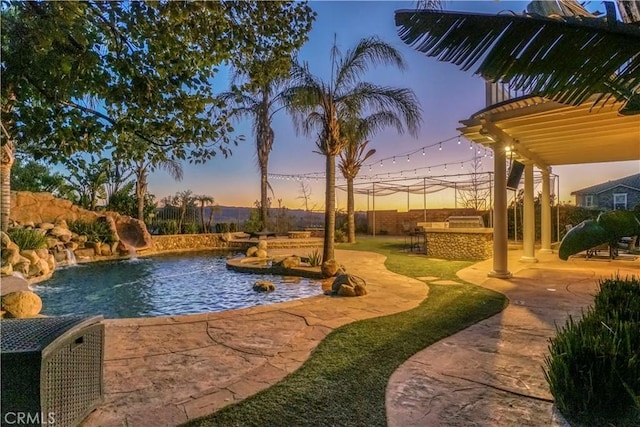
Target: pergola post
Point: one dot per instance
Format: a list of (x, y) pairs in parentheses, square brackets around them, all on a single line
[(500, 246), (529, 222), (545, 213), (373, 212)]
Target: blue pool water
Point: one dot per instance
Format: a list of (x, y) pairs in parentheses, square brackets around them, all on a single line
[(162, 286)]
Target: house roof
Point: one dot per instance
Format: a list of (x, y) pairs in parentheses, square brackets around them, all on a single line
[(631, 181)]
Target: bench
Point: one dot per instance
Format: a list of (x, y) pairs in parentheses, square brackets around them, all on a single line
[(260, 234), (299, 234)]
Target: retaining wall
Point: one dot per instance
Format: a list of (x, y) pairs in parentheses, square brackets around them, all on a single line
[(460, 243)]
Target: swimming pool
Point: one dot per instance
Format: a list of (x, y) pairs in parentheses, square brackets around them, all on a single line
[(164, 285)]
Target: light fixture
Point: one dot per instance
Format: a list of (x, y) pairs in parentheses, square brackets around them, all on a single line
[(423, 153), (445, 167), (470, 146), (440, 146), (408, 159), (461, 165), (458, 140), (394, 160), (380, 163)]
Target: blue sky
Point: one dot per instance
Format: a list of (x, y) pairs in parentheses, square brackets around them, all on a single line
[(446, 94)]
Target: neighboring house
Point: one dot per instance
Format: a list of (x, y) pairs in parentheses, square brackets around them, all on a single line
[(623, 193)]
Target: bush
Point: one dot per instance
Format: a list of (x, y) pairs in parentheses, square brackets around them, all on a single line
[(27, 239), (96, 231), (593, 368), (222, 227), (167, 227), (339, 236), (190, 228)]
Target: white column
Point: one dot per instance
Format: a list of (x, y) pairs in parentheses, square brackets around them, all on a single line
[(500, 247), (529, 223), (545, 213)]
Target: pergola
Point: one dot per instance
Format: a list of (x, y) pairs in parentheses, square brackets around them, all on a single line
[(583, 73), (543, 133)]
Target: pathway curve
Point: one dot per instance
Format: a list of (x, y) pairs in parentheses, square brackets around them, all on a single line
[(491, 374), (164, 371)]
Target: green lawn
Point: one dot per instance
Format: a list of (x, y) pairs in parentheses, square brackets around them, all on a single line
[(343, 382)]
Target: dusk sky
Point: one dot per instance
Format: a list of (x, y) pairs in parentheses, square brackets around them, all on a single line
[(446, 94)]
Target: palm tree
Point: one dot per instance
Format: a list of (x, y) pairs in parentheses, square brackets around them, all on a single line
[(143, 166), (318, 107), (204, 200), (260, 104), (351, 159)]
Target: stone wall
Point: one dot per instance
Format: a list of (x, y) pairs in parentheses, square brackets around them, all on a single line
[(182, 242), (460, 243), (391, 221), (33, 208)]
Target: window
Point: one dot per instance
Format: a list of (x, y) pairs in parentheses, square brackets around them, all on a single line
[(588, 201), (619, 201)]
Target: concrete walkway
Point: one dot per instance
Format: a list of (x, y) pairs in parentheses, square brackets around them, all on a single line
[(491, 374), (165, 371)]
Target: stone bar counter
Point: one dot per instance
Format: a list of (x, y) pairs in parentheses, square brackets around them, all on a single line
[(459, 243)]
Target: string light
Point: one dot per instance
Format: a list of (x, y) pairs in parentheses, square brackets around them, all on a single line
[(440, 146), (394, 160), (381, 163), (458, 139), (461, 165), (445, 166), (470, 146), (423, 153), (408, 159)]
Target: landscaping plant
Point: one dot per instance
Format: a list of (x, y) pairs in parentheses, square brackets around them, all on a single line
[(96, 231), (593, 368), (27, 239)]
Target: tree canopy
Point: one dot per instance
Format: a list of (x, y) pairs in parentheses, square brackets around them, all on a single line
[(78, 74)]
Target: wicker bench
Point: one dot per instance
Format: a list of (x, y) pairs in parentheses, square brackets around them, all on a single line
[(299, 234)]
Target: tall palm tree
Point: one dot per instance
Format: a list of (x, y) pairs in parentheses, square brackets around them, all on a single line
[(204, 200), (144, 165), (318, 107), (351, 159), (260, 104)]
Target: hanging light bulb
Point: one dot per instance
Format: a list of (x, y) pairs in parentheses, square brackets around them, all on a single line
[(458, 139), (380, 163), (429, 171), (485, 152), (445, 167), (470, 146), (461, 165), (394, 160), (440, 146), (415, 171), (408, 159), (369, 168), (423, 153)]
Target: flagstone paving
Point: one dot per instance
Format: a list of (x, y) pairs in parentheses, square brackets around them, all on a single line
[(491, 374), (164, 371)]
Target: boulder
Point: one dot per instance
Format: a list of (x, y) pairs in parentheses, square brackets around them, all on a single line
[(5, 270), (51, 262), (10, 255), (289, 262), (22, 266), (5, 239), (58, 232), (261, 253), (21, 304), (42, 253), (105, 249), (131, 232), (349, 285), (226, 237), (61, 223), (329, 268), (252, 251), (262, 244), (79, 239), (71, 245), (31, 255), (85, 253), (52, 242), (264, 286), (46, 225)]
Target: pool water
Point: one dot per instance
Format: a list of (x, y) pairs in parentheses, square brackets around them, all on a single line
[(196, 282)]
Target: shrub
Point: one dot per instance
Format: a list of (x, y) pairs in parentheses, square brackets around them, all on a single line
[(167, 227), (315, 258), (96, 231), (190, 228), (339, 236), (27, 239), (222, 227), (593, 366)]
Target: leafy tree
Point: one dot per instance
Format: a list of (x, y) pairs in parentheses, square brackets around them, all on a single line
[(78, 74), (319, 107), (88, 180), (185, 201), (30, 175)]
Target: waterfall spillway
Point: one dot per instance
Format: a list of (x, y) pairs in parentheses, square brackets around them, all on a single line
[(71, 258), (132, 253)]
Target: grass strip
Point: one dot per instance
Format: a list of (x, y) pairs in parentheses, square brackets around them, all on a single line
[(344, 380)]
